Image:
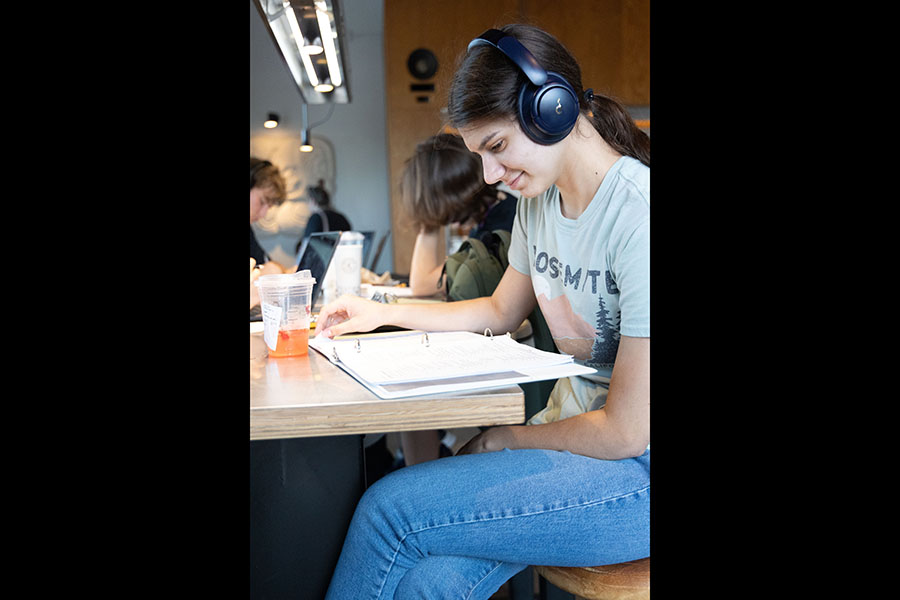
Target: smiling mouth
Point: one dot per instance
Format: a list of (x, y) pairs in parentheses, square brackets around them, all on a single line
[(512, 183)]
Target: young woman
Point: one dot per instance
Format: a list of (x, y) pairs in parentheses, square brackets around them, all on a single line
[(442, 184), (572, 487)]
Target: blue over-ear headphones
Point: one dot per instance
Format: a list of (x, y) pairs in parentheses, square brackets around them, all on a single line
[(548, 106)]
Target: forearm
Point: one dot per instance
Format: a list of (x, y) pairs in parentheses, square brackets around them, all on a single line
[(467, 315), (427, 263), (591, 434), (620, 429), (501, 312)]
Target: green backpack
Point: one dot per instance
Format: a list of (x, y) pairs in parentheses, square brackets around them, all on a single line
[(475, 269)]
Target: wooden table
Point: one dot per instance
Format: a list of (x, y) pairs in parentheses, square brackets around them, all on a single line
[(307, 461), (308, 396)]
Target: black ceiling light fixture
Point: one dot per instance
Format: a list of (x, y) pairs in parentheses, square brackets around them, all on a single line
[(306, 32), (305, 138), (271, 121)]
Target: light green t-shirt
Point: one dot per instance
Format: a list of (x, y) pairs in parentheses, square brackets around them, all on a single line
[(591, 277)]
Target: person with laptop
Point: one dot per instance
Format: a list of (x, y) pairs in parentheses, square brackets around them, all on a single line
[(267, 189), (571, 487)]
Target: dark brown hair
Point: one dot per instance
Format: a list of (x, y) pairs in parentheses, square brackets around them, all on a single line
[(267, 177), (486, 84), (442, 183)]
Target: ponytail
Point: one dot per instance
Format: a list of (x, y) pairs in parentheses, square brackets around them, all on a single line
[(616, 126)]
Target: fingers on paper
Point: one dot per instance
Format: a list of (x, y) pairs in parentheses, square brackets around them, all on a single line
[(349, 314), (332, 324)]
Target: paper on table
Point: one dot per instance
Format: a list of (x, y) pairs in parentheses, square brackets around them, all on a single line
[(367, 290), (401, 364)]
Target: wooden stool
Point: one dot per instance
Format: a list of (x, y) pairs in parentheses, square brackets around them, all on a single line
[(622, 581)]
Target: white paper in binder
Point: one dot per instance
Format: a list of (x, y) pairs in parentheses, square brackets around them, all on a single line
[(412, 363)]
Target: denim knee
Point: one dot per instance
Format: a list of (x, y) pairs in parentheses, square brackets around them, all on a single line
[(434, 578), (382, 503)]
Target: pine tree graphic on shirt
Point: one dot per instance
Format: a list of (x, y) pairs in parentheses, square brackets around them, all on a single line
[(606, 342)]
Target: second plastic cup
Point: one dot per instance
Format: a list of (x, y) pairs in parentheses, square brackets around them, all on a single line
[(285, 302)]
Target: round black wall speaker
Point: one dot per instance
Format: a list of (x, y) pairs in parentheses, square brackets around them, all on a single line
[(422, 63)]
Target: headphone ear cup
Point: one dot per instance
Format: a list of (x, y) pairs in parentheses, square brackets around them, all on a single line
[(548, 113)]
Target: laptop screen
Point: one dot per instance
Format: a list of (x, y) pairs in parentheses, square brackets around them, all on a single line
[(368, 238), (315, 254)]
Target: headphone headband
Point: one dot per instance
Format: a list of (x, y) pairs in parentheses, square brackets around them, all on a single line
[(515, 51)]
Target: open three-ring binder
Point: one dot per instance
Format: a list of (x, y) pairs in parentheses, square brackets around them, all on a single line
[(413, 363)]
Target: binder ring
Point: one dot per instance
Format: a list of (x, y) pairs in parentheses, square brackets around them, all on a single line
[(357, 346), (425, 340), (488, 332), (334, 355)]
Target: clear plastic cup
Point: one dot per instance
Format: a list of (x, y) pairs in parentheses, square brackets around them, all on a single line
[(285, 302)]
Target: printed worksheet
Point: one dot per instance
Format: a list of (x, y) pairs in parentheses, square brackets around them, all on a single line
[(400, 358)]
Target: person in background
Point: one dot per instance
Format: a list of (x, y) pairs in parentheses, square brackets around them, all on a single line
[(324, 217), (572, 486), (267, 189), (442, 185)]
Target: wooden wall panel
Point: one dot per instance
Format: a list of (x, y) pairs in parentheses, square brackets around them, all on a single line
[(633, 83), (445, 28), (610, 39)]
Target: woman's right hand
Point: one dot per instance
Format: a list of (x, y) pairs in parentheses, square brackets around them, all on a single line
[(350, 314)]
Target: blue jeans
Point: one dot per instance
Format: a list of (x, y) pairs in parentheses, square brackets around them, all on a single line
[(459, 527)]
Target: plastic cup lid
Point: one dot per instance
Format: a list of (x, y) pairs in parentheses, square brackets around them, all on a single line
[(303, 277)]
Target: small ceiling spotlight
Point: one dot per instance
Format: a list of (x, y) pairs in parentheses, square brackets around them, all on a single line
[(305, 141), (305, 138), (271, 122)]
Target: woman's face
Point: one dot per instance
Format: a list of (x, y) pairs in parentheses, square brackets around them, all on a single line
[(508, 155)]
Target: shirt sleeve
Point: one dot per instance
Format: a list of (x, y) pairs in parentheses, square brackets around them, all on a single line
[(631, 266), (518, 246)]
